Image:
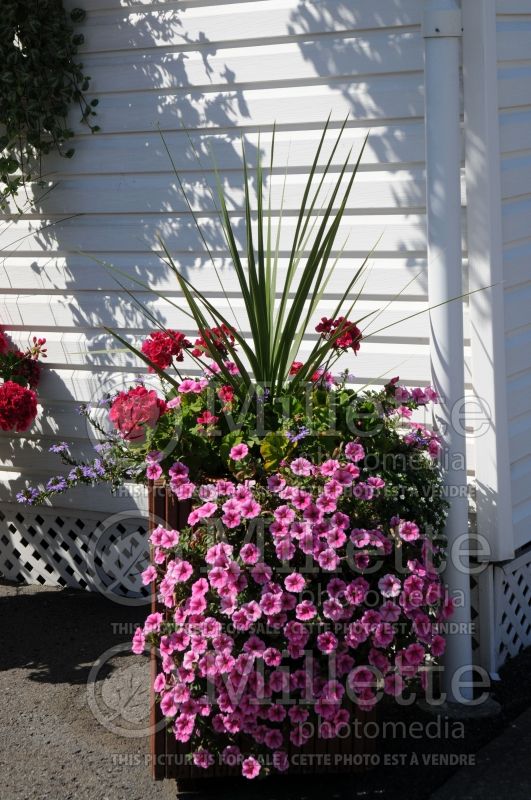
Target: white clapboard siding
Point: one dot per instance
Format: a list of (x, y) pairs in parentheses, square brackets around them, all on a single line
[(388, 146), (206, 73), (384, 276), (514, 98), (158, 193)]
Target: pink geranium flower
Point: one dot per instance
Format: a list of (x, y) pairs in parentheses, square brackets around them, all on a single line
[(134, 411)]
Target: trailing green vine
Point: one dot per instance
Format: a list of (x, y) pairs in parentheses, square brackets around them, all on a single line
[(40, 79)]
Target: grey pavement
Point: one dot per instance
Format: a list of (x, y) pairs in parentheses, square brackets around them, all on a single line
[(502, 770)]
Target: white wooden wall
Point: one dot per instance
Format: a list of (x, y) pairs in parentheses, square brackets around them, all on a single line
[(514, 100), (214, 69)]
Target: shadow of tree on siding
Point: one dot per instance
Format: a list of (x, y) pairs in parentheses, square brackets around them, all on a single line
[(121, 194)]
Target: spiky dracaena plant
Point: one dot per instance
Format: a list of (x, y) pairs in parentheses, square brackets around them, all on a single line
[(277, 313)]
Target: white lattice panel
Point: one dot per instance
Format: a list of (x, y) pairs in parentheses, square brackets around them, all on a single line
[(512, 589), (54, 547)]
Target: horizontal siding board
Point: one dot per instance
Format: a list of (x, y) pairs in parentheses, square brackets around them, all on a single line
[(510, 6), (521, 481), (517, 305), (515, 130), (516, 220), (522, 526), (137, 233), (160, 194), (290, 63), (63, 389), (514, 40), (372, 100), (518, 352), (117, 310), (514, 86), (384, 277), (145, 153), (103, 350), (520, 437), (182, 24), (517, 264), (516, 175), (518, 394)]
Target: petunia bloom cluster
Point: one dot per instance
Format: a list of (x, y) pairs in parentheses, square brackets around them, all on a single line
[(282, 611)]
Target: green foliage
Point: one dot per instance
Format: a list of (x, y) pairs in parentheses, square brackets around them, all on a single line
[(274, 449), (40, 78)]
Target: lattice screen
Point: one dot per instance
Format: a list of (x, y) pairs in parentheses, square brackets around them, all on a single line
[(512, 601), (57, 548)]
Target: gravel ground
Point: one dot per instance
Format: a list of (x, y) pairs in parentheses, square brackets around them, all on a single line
[(55, 740), (73, 702)]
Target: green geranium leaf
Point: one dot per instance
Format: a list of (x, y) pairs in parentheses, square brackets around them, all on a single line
[(274, 449)]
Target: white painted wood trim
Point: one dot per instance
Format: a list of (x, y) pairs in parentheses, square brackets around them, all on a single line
[(485, 250), (486, 621)]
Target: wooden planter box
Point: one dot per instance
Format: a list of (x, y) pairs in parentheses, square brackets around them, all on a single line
[(168, 757)]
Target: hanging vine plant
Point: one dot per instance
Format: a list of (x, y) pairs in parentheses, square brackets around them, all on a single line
[(40, 79)]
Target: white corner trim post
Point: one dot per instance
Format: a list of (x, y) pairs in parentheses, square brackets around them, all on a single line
[(485, 269), (442, 30)]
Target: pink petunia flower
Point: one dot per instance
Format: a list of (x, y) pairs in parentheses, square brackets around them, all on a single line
[(305, 611), (408, 531), (139, 642), (389, 586), (238, 452), (250, 768), (294, 582), (302, 467), (149, 575)]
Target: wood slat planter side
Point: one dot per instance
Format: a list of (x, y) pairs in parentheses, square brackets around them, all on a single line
[(168, 756)]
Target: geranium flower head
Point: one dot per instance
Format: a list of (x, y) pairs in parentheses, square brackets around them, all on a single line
[(18, 407), (135, 410), (161, 347)]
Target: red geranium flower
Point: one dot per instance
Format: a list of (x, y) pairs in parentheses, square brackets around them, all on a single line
[(295, 367), (132, 411), (207, 418), (343, 334), (226, 394), (162, 346), (18, 407), (214, 339)]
